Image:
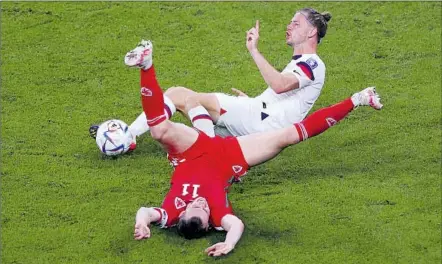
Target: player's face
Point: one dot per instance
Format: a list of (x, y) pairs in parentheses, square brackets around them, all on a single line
[(298, 30), (199, 208)]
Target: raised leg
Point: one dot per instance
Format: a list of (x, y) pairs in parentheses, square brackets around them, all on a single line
[(258, 148), (180, 96)]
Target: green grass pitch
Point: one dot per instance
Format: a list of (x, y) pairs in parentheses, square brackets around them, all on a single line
[(366, 191)]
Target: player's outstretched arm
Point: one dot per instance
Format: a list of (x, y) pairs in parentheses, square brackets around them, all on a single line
[(277, 81), (144, 217), (234, 227)]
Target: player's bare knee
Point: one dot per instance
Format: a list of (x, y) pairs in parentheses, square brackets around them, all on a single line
[(192, 101), (176, 90), (178, 94)]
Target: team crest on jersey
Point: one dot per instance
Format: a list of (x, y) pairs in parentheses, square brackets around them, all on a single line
[(179, 203), (312, 63)]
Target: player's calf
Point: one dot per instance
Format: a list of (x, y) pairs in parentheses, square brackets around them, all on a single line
[(159, 131), (289, 137)]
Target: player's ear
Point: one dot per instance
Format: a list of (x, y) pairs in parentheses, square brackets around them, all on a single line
[(181, 214), (313, 32), (205, 224)]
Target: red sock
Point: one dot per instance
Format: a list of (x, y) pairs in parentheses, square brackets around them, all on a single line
[(323, 119), (152, 97)]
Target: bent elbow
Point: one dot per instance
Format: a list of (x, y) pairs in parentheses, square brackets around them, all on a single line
[(285, 84), (279, 91), (278, 88), (241, 225)]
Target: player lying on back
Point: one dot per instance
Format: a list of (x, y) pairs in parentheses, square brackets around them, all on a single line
[(206, 165)]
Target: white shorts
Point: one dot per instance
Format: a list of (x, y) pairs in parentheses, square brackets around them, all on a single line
[(245, 115)]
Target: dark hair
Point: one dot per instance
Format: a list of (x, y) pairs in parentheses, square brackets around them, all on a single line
[(318, 20), (191, 228)]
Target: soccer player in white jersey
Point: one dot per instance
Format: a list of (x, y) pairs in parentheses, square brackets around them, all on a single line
[(290, 93)]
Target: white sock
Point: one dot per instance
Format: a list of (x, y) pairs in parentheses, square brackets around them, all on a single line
[(356, 99), (169, 106), (139, 126), (201, 120)]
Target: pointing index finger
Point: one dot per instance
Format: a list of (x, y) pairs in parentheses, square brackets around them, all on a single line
[(257, 25)]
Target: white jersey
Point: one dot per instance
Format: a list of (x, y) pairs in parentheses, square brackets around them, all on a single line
[(270, 111), (310, 71)]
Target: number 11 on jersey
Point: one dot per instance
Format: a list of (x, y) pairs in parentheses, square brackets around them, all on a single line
[(195, 190)]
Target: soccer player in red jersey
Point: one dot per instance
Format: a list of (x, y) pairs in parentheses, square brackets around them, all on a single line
[(206, 165)]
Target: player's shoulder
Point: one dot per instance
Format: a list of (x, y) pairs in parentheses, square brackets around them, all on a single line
[(313, 61)]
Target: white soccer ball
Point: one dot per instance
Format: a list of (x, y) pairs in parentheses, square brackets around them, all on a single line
[(113, 137)]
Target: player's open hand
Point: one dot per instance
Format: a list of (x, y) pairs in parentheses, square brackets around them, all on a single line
[(252, 37), (142, 231), (239, 92), (219, 249)]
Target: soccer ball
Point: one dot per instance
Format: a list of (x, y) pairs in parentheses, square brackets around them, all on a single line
[(113, 137)]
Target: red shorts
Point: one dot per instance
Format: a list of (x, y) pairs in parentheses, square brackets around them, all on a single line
[(225, 153)]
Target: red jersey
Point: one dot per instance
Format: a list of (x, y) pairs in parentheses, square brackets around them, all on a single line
[(206, 170)]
